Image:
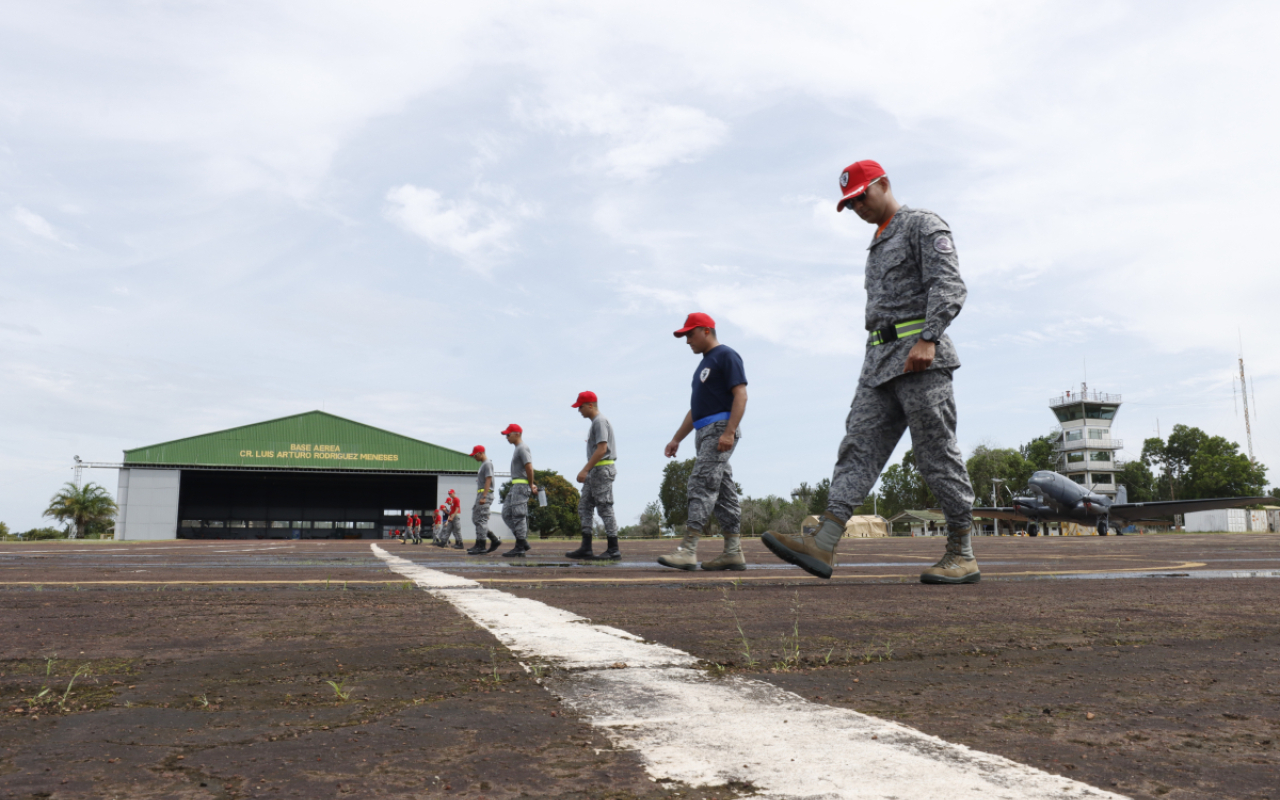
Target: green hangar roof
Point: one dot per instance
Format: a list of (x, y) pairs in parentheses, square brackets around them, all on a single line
[(314, 440)]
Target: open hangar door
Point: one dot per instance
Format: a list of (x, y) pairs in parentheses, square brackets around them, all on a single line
[(269, 504)]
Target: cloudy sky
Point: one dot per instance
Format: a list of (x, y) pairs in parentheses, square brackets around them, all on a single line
[(439, 218)]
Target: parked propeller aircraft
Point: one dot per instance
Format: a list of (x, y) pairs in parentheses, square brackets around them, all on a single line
[(1055, 498)]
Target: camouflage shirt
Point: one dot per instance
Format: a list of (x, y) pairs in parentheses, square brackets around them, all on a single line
[(912, 273)]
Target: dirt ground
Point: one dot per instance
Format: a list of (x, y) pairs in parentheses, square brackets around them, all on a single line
[(1148, 686)]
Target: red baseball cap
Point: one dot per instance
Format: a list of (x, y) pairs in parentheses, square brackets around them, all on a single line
[(696, 320), (512, 428), (856, 178), (477, 450), (585, 397), (452, 492)]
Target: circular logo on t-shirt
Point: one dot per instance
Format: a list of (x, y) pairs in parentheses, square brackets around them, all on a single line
[(844, 179), (706, 371), (943, 244)]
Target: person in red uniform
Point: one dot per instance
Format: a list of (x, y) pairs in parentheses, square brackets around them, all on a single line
[(437, 527), (455, 519)]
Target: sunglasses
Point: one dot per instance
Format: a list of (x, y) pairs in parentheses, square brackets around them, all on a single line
[(863, 196)]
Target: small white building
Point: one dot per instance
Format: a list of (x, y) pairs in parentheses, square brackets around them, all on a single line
[(1231, 520)]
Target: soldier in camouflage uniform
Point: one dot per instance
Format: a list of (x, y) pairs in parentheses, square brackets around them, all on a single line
[(914, 291), (515, 508), (597, 480), (484, 504), (719, 400)]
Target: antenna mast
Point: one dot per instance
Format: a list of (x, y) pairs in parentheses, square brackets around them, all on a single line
[(1244, 399)]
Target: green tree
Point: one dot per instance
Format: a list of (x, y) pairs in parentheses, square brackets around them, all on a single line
[(4, 529), (81, 507), (45, 533), (674, 492), (1194, 465), (560, 517), (988, 464), (1218, 469), (1040, 453), (1139, 482), (902, 487), (650, 525)]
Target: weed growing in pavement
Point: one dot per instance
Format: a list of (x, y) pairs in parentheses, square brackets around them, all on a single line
[(791, 649), (827, 659), (746, 643), (493, 660), (340, 689), (203, 701), (46, 697)]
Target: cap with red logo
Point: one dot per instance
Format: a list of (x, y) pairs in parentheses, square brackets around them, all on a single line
[(696, 320), (477, 450), (856, 178), (512, 428), (585, 397)]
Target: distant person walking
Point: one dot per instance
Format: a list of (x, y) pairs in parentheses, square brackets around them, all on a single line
[(914, 291), (455, 519), (597, 481), (484, 503), (715, 410), (515, 509), (437, 527)]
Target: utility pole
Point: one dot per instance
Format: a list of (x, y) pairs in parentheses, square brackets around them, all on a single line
[(995, 503), (78, 468)]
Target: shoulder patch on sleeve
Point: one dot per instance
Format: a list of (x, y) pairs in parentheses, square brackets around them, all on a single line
[(943, 244)]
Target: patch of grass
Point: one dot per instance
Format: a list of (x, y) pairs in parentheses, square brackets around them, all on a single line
[(340, 689), (748, 659)]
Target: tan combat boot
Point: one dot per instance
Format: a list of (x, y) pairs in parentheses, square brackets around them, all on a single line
[(686, 554), (731, 558), (804, 550), (957, 565)]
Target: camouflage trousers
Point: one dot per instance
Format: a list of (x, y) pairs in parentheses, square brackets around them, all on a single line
[(480, 515), (515, 510), (711, 487), (435, 532), (454, 528), (922, 402), (597, 496)]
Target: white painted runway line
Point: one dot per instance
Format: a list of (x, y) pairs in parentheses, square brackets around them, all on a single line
[(704, 731)]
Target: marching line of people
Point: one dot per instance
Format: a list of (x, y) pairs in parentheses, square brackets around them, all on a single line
[(914, 292)]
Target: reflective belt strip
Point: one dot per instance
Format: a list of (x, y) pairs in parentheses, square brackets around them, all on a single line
[(903, 329), (604, 463), (519, 480)]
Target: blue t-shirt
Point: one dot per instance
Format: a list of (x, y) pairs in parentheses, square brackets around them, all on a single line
[(721, 370)]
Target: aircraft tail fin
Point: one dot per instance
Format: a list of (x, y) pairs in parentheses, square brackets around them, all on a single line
[(1122, 495)]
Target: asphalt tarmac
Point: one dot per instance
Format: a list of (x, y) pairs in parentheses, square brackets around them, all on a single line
[(1142, 665)]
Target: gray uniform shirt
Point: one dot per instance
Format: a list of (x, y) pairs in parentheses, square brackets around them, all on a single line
[(486, 471), (519, 458), (912, 273), (601, 431)]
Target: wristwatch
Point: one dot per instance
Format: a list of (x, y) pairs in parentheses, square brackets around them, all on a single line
[(929, 336)]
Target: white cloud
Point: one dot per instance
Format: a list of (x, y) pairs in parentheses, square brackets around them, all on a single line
[(38, 225), (474, 232), (641, 136)]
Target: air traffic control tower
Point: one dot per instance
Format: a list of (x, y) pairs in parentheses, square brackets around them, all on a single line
[(1086, 451)]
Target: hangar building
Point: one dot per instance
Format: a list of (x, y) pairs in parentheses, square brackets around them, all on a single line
[(310, 476)]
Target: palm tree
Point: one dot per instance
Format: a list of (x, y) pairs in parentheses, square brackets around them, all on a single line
[(81, 507)]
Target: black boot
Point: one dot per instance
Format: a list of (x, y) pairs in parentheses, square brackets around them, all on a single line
[(584, 550), (612, 553), (477, 548), (522, 547), (494, 542)]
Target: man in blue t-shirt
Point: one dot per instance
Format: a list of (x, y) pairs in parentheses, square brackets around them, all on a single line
[(718, 403)]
